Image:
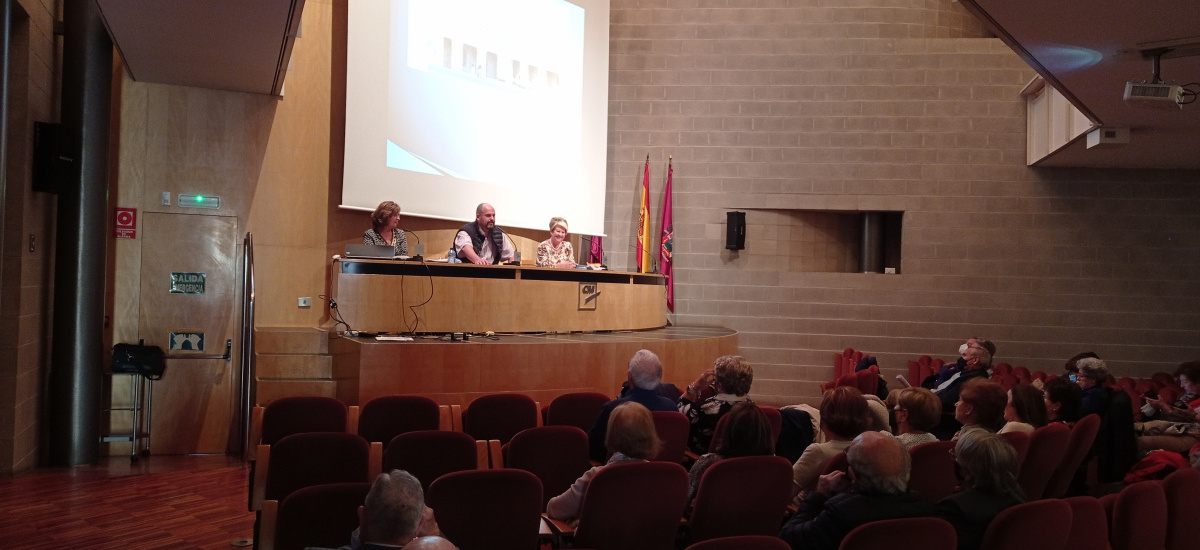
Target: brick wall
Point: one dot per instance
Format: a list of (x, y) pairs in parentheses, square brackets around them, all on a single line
[(791, 110)]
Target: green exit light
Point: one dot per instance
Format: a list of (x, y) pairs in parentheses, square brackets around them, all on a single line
[(199, 201)]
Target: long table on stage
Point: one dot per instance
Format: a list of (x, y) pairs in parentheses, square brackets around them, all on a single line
[(406, 296), (542, 366)]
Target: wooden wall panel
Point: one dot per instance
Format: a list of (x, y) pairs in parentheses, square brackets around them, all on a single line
[(542, 366)]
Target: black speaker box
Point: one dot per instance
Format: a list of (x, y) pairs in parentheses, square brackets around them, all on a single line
[(55, 157), (735, 230)]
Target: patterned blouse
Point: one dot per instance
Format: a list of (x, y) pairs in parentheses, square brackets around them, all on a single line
[(398, 240), (548, 256)]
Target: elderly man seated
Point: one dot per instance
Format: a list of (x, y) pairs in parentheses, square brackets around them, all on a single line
[(394, 515), (874, 488)]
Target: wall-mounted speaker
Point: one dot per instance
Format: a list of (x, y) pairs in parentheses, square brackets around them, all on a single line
[(735, 230), (55, 157)]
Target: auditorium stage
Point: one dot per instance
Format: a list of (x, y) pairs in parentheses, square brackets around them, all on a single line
[(542, 366)]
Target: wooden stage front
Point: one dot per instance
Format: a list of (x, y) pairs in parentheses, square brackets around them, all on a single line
[(542, 366)]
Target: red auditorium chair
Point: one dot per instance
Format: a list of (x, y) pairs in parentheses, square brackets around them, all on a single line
[(1034, 525), (499, 416), (744, 542), (384, 418), (578, 409), (557, 455), (902, 534), (1139, 518), (741, 496), (933, 470), (673, 429), (1079, 444), (1182, 489), (612, 518), (488, 509), (1047, 447), (1089, 523), (317, 516), (430, 454)]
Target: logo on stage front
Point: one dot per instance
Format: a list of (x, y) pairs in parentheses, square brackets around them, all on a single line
[(589, 294)]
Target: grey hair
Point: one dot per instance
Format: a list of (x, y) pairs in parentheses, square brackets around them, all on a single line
[(1094, 368), (645, 370), (393, 508), (880, 463), (990, 461)]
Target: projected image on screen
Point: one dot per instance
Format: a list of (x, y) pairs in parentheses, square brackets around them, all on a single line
[(455, 102)]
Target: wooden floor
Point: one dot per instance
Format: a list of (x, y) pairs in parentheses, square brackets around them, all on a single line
[(161, 502)]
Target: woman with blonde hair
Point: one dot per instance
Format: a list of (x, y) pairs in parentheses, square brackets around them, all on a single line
[(725, 385), (917, 411), (556, 251), (631, 437), (385, 228)]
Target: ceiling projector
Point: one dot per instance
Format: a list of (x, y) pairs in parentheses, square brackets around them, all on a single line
[(1137, 92)]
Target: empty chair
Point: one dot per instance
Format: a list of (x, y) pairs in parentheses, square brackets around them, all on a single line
[(1019, 442), (430, 454), (673, 429), (500, 416), (291, 415), (743, 542), (1079, 445), (307, 459), (632, 506), (578, 409), (1037, 525), (488, 509), (932, 470), (1139, 518), (1182, 489), (384, 418), (1047, 446), (902, 534), (557, 455), (320, 515), (741, 496), (1089, 523)]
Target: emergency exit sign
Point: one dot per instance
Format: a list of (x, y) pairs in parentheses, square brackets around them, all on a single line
[(187, 283)]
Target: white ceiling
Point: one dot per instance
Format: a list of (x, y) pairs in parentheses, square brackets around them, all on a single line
[(1087, 49), (238, 45)]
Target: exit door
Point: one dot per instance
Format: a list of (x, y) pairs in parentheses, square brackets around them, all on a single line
[(188, 307)]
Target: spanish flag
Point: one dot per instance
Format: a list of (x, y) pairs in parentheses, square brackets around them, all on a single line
[(643, 239)]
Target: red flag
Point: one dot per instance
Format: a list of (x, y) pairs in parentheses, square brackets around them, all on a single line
[(596, 252), (643, 238), (667, 242)]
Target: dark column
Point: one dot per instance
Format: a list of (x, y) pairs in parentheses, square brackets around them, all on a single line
[(78, 355), (871, 251)]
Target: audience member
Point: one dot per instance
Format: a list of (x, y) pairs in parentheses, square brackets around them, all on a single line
[(917, 411), (1177, 425), (631, 437), (975, 362), (1026, 410), (644, 377), (746, 431), (429, 543), (844, 415), (1072, 365), (875, 487), (987, 469), (393, 514), (1184, 408), (1094, 398), (981, 404), (1062, 400), (730, 378)]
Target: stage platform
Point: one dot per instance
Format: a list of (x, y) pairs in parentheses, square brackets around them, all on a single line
[(542, 366)]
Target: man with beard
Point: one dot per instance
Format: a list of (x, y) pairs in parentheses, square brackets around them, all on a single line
[(478, 242)]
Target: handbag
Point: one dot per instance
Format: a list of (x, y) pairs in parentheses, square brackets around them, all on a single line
[(139, 358)]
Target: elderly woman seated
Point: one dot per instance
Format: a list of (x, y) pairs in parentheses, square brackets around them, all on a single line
[(917, 411), (987, 468), (631, 437), (844, 415), (981, 405), (730, 381)]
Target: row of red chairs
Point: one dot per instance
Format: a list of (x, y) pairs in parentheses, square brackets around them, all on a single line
[(1148, 515)]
